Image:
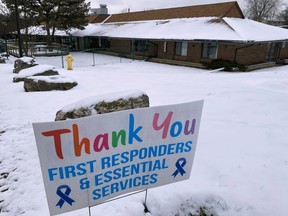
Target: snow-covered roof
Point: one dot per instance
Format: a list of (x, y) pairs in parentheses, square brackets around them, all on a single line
[(204, 28)]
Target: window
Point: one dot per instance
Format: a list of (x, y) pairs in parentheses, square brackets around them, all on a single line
[(209, 50), (181, 48), (104, 43), (141, 45)]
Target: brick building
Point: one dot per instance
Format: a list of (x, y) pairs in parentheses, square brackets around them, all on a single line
[(187, 35)]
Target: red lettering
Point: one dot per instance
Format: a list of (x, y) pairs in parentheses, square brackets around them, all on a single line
[(57, 140)]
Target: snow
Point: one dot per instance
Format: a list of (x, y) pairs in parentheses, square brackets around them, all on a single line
[(27, 60), (109, 97), (246, 29), (201, 28), (229, 29), (53, 79), (34, 70), (241, 162)]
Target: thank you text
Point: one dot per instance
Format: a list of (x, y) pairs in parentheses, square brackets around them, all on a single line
[(90, 160)]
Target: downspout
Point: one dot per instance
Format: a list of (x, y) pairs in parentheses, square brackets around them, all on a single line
[(236, 50)]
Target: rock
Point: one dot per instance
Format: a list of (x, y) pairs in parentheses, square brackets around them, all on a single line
[(38, 70), (2, 60), (23, 63), (48, 83), (104, 104)]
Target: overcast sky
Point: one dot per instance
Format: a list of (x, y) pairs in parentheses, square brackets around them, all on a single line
[(117, 6)]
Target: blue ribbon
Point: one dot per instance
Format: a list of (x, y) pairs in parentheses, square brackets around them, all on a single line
[(179, 165), (64, 196)]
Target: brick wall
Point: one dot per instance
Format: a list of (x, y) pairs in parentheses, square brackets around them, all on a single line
[(169, 54), (234, 12), (120, 46), (247, 54), (194, 52), (254, 54), (283, 54)]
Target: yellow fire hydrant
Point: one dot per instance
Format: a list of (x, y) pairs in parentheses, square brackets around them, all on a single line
[(69, 60)]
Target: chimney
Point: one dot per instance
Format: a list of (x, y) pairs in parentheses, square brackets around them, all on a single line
[(102, 10)]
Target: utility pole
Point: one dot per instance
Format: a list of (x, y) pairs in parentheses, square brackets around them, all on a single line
[(18, 29)]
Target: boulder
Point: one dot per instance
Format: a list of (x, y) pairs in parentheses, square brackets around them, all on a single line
[(48, 83), (23, 63), (38, 70), (104, 104), (2, 60)]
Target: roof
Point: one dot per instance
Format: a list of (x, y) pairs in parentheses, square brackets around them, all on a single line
[(226, 23), (96, 18), (226, 9), (190, 29)]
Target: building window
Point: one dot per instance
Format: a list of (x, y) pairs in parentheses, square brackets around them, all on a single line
[(209, 50), (140, 45), (181, 48), (104, 43)]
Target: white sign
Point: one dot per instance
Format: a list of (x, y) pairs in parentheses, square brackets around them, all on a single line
[(89, 160)]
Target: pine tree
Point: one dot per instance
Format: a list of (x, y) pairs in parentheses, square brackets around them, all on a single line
[(54, 14), (62, 15)]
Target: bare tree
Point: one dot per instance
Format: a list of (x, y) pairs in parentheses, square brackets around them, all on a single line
[(262, 10), (283, 16)]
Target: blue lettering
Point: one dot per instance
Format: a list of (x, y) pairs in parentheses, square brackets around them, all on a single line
[(145, 180), (91, 165), (153, 178), (107, 176), (179, 147), (188, 146), (176, 129), (171, 148), (133, 154), (124, 184), (124, 157), (115, 160), (70, 170), (98, 179), (137, 181), (105, 191), (133, 133), (97, 194), (117, 173), (81, 169), (51, 173), (105, 163), (114, 188)]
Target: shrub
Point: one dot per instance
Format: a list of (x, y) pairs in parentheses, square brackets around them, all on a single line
[(227, 65)]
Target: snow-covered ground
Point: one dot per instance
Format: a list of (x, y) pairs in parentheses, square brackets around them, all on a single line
[(241, 163)]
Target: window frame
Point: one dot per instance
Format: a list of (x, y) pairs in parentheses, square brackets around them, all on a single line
[(181, 48), (209, 50), (141, 45)]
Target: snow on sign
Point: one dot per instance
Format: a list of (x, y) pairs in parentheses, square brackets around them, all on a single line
[(89, 160)]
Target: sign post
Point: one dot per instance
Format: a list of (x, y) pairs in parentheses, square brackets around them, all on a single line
[(91, 160)]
